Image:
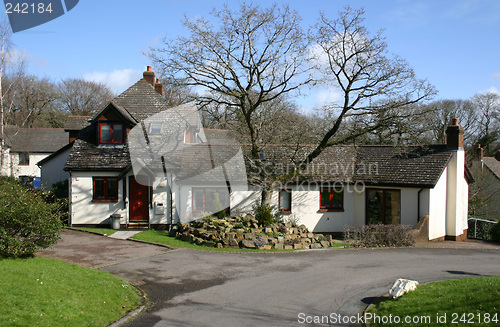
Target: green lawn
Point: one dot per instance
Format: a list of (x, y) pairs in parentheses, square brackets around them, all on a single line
[(463, 302), (105, 231), (48, 292)]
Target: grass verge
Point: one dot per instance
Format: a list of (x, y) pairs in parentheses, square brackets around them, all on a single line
[(105, 231), (463, 302), (48, 292), (163, 238)]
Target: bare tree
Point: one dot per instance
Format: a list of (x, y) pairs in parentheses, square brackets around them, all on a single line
[(487, 106), (249, 58), (5, 42), (373, 83), (82, 98), (30, 98)]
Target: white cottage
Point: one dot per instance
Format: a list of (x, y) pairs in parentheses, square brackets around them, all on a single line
[(345, 185)]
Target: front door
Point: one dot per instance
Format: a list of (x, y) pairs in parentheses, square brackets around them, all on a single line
[(139, 198)]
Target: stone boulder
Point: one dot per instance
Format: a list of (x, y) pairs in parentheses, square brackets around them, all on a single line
[(402, 286)]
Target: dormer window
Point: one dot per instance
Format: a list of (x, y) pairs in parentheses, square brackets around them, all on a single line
[(110, 133), (155, 128)]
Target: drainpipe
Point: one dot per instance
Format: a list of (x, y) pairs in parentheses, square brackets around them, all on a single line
[(418, 204), (70, 198)]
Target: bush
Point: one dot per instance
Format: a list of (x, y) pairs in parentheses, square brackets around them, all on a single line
[(495, 233), (27, 222), (378, 236), (263, 213)]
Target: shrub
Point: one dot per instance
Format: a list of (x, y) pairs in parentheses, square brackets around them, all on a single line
[(378, 236), (27, 222), (263, 213), (495, 233)]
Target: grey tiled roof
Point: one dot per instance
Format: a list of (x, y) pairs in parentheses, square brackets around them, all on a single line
[(76, 123), (493, 165), (33, 140), (373, 165), (87, 155), (141, 100)]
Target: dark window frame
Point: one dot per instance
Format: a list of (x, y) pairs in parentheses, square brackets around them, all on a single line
[(204, 189), (106, 197), (111, 132), (384, 190), (288, 209), (330, 207), (25, 156)]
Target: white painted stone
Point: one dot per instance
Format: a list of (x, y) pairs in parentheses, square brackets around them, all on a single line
[(402, 286)]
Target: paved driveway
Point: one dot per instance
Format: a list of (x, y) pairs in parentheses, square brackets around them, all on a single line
[(194, 288), (199, 288)]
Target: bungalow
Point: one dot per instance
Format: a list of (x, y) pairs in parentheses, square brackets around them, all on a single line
[(25, 147), (154, 166), (486, 171)]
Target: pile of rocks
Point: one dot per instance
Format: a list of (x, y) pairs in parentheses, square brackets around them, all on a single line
[(244, 232)]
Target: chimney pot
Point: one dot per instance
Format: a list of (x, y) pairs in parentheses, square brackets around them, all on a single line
[(159, 87), (149, 76), (455, 135), (479, 152)]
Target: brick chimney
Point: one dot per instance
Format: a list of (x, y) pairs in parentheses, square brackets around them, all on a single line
[(159, 87), (149, 76), (478, 152), (455, 135)]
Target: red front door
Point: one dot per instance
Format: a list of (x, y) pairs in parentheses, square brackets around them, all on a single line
[(139, 198)]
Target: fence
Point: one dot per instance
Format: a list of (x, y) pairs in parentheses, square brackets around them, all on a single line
[(480, 228)]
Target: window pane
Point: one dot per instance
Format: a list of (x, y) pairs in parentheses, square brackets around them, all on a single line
[(155, 128), (117, 133), (112, 186), (223, 198), (24, 158), (392, 207), (374, 208), (285, 202), (105, 133), (210, 200), (99, 188), (336, 199), (198, 200), (325, 198)]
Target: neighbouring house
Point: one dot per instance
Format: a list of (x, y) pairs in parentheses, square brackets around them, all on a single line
[(345, 185), (52, 167), (25, 147), (486, 192)]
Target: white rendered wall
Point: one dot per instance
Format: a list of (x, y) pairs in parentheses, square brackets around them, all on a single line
[(53, 170), (83, 209), (437, 207), (456, 213)]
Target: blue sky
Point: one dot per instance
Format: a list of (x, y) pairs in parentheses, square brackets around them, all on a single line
[(454, 44)]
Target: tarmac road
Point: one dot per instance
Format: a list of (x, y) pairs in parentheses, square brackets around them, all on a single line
[(202, 288)]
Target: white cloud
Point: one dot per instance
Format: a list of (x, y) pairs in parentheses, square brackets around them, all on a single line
[(19, 57), (492, 89), (117, 80), (495, 76)]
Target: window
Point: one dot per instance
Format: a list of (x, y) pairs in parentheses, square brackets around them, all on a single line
[(155, 128), (285, 201), (105, 189), (110, 133), (26, 180), (24, 158), (383, 206), (211, 200), (331, 198)]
